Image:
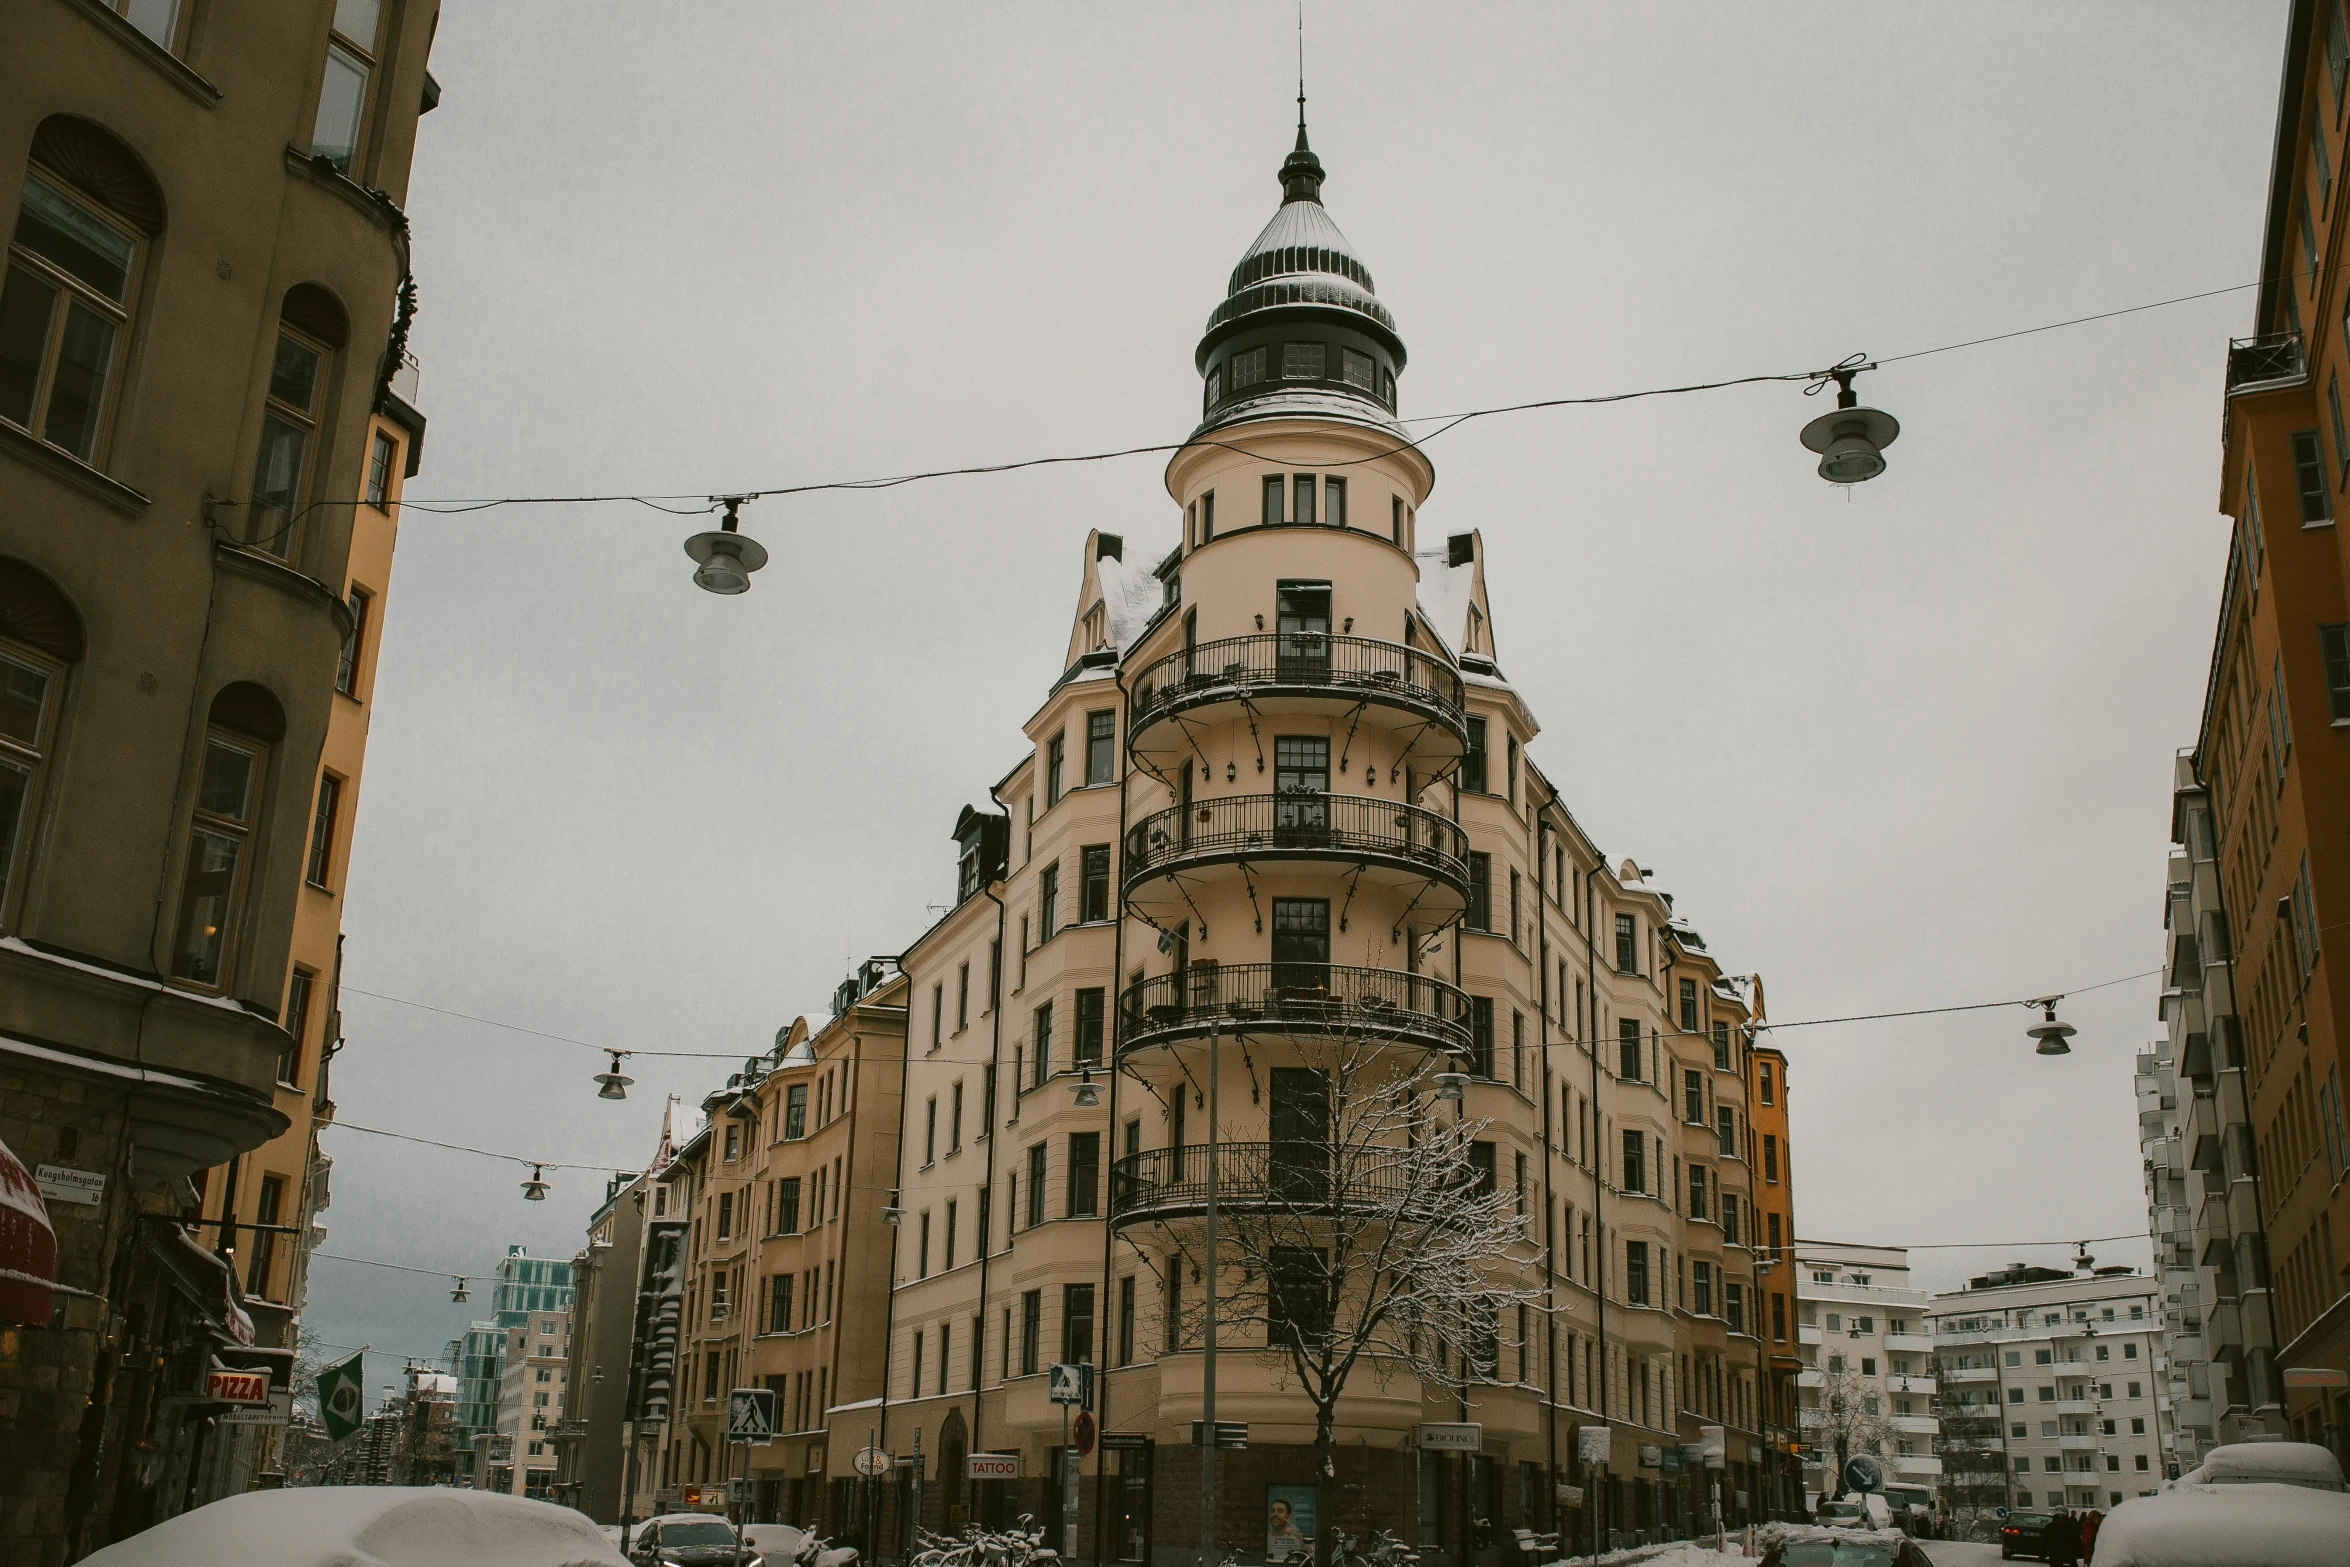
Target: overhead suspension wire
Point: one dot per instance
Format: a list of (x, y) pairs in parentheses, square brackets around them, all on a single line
[(697, 505)]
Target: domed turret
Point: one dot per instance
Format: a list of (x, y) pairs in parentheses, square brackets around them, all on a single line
[(1301, 330)]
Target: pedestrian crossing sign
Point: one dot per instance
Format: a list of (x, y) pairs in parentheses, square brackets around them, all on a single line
[(750, 1415)]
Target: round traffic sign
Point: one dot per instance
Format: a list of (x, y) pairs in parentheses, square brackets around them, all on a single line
[(871, 1461), (1082, 1432)]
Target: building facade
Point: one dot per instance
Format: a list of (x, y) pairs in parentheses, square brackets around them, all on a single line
[(198, 325), (2272, 755), (1868, 1380), (1772, 1174), (533, 1390), (2071, 1367), (1277, 800)]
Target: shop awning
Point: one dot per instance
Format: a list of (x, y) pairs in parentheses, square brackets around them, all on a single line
[(28, 1246)]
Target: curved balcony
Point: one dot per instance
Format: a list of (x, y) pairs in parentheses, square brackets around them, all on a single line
[(1412, 695), (1376, 843), (1293, 998), (1165, 1184)]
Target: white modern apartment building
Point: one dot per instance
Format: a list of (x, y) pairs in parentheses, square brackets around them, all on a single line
[(2073, 1363), (1864, 1341), (530, 1401)]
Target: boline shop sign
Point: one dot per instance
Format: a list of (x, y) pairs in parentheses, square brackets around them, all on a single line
[(237, 1387)]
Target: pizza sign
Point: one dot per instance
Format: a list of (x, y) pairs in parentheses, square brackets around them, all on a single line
[(237, 1387)]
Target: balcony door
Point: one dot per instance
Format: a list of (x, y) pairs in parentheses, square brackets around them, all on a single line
[(1301, 946), (1301, 789), (1298, 1169), (1303, 611)]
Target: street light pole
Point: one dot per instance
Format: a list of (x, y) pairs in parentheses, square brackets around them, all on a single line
[(1207, 1452)]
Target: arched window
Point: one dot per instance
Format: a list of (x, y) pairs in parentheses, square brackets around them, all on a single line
[(39, 636), (73, 269), (311, 325), (245, 721)]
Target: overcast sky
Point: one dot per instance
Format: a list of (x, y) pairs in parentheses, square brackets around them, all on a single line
[(1897, 746)]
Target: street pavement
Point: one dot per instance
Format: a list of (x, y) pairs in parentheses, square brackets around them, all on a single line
[(1959, 1553)]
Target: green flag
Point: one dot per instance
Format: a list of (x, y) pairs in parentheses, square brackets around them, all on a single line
[(339, 1398)]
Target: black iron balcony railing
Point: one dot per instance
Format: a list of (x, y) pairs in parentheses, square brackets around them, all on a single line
[(1168, 1183), (2277, 357), (1294, 998), (1355, 668), (1342, 826)]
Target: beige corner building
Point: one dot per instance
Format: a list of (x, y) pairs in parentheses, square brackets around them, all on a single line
[(200, 439), (1278, 794)]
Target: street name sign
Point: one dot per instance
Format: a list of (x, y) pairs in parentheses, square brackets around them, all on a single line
[(750, 1415), (1457, 1438)]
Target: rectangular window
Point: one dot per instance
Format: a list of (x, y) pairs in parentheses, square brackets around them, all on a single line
[(1334, 502), (1101, 748), (289, 1062), (1635, 1172), (1473, 764), (787, 1206), (1055, 762), (2333, 645), (1093, 883), (1628, 1049), (1627, 946), (1481, 1036), (1301, 362), (1276, 487), (1031, 1329), (1036, 1157), (1085, 1174), (347, 663), (1090, 1010), (1480, 913), (1077, 1324), (1048, 902), (209, 895), (2309, 473), (1636, 1270)]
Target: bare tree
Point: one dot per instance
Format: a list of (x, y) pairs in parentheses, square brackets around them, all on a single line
[(1851, 1419), (1384, 1242)]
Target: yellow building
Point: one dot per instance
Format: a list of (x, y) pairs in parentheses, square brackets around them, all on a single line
[(1278, 799)]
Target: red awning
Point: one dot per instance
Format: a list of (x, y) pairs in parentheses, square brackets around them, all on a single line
[(28, 1246)]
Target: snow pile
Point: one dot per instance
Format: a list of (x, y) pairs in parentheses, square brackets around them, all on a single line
[(1131, 596), (2252, 1524), (368, 1526)]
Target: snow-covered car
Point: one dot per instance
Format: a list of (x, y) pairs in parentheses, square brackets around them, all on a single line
[(2275, 1463), (2253, 1523), (1814, 1545), (379, 1525), (690, 1540)]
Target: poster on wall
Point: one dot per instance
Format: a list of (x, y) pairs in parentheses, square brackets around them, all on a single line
[(1289, 1522)]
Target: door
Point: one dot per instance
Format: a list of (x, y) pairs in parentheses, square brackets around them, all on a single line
[(1301, 789), (1301, 947), (1299, 1162), (1302, 611)]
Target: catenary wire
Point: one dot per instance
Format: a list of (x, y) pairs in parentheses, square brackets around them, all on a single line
[(455, 506)]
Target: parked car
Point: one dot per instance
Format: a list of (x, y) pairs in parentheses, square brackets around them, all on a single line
[(2022, 1535), (690, 1540), (2254, 1523), (394, 1525), (1814, 1545)]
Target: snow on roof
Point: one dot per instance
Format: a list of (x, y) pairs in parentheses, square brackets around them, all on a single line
[(1445, 595), (367, 1526), (2245, 1525), (1131, 595)]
